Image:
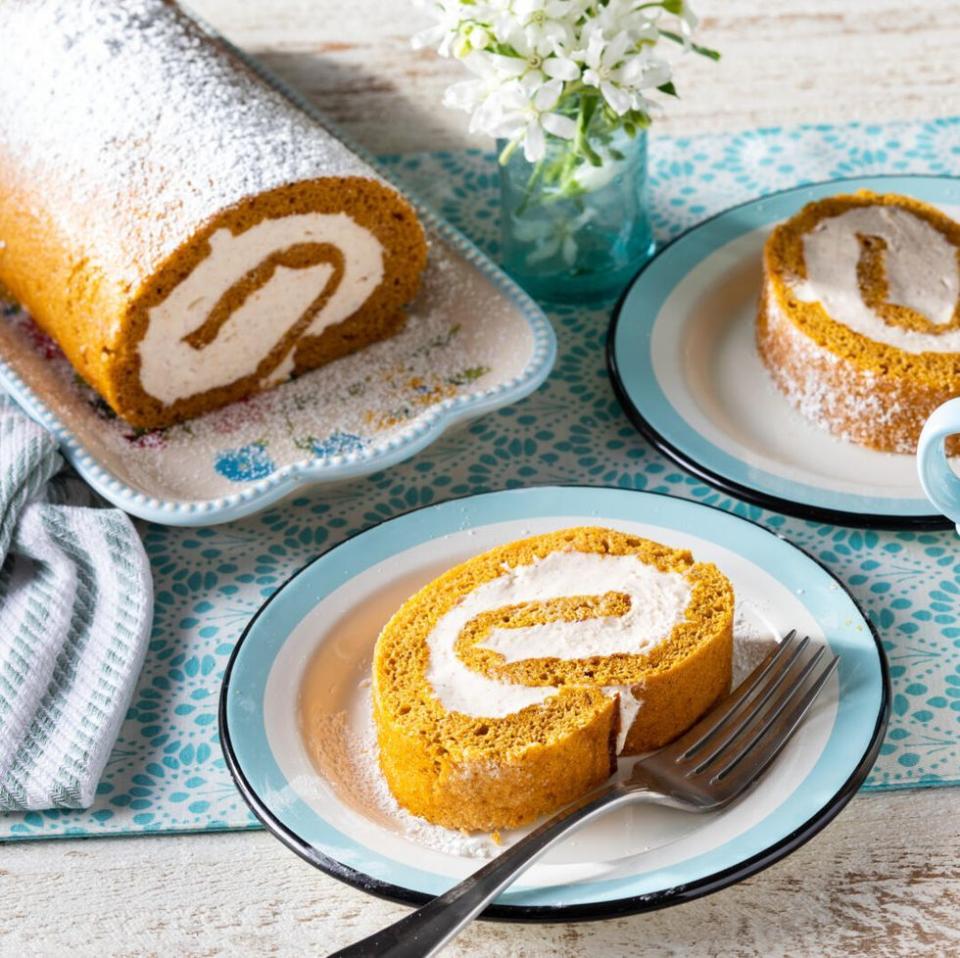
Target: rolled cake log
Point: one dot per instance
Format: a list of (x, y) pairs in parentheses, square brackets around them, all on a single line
[(859, 317), (186, 234), (507, 687)]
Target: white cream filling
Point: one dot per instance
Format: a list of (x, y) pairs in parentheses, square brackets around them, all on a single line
[(922, 272), (171, 369), (658, 601)]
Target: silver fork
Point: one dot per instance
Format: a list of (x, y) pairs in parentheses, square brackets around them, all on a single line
[(714, 763)]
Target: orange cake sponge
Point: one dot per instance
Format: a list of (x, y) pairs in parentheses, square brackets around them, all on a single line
[(505, 688), (859, 317)]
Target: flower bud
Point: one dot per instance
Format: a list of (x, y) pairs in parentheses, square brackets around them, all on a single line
[(478, 37)]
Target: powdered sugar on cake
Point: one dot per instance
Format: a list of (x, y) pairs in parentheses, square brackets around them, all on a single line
[(93, 139), (346, 751), (811, 394)]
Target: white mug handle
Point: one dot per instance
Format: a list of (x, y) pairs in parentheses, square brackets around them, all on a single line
[(939, 481)]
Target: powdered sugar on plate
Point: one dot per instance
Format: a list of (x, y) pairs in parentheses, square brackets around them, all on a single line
[(754, 637), (344, 746), (346, 750)]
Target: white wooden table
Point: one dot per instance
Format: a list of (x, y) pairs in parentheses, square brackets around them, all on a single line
[(884, 879)]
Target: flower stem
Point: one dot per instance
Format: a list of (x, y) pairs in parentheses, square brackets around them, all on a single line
[(588, 106), (530, 187), (508, 151)]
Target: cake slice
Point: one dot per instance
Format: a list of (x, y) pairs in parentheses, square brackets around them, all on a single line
[(507, 687), (859, 316)]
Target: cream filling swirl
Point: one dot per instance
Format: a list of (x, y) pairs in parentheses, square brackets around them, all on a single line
[(923, 273), (171, 368), (658, 601)]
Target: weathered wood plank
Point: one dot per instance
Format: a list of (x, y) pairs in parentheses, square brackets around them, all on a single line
[(809, 61), (884, 879)]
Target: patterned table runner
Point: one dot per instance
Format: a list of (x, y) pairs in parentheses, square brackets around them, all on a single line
[(167, 773)]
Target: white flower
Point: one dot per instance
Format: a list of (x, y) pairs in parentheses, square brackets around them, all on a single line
[(561, 67), (603, 60), (445, 31), (644, 71), (525, 113), (620, 71), (688, 20), (455, 21), (547, 25), (470, 96), (619, 16), (550, 236), (530, 58), (591, 178)]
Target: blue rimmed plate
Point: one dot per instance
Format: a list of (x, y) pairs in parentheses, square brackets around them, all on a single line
[(312, 643), (474, 342), (683, 360)]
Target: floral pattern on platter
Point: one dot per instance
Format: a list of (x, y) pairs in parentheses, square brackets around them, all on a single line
[(167, 772), (245, 464), (251, 439)]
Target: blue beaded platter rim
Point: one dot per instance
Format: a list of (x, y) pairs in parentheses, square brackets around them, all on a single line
[(632, 362), (318, 469), (797, 815)]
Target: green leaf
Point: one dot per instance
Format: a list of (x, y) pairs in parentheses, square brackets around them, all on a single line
[(703, 51), (668, 88), (638, 119)]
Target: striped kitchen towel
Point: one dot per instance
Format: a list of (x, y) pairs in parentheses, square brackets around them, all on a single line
[(76, 603)]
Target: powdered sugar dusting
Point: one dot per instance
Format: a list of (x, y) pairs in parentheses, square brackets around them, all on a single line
[(348, 747), (138, 89), (131, 110), (754, 637), (810, 392)]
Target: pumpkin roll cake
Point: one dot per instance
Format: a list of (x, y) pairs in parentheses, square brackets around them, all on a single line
[(507, 687), (186, 234), (859, 317)]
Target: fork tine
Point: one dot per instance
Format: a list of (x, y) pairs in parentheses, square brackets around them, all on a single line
[(762, 703), (767, 743), (776, 663)]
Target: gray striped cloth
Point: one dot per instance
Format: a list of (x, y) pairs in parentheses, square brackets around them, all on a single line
[(76, 603)]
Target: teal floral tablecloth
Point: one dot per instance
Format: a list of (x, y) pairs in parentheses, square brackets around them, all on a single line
[(167, 772)]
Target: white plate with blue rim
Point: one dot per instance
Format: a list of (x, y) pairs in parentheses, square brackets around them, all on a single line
[(474, 342), (300, 674), (684, 364)]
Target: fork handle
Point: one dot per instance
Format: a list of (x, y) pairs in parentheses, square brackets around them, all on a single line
[(426, 930)]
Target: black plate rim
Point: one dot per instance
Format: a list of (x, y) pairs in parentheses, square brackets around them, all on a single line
[(720, 481), (592, 911)]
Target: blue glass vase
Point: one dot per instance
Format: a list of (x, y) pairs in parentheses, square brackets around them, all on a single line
[(575, 228)]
